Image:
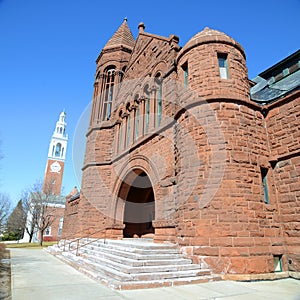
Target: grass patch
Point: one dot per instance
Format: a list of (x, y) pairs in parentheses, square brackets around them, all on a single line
[(29, 245)]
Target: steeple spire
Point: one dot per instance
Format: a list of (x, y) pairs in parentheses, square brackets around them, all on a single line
[(58, 143), (122, 37)]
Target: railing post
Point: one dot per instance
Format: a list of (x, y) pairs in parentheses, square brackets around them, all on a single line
[(77, 247)]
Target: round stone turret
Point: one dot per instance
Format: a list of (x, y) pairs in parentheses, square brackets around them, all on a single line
[(214, 65)]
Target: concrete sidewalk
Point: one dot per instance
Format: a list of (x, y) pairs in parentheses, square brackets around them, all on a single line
[(38, 275)]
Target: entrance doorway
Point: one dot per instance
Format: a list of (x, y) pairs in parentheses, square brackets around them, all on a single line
[(139, 211)]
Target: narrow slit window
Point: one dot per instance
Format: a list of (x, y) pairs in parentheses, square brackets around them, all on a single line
[(223, 65), (120, 148), (128, 131), (159, 104), (264, 179), (137, 123), (185, 69), (147, 118)]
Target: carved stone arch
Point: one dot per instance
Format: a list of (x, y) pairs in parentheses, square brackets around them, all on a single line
[(160, 67), (136, 91), (110, 67), (120, 112), (146, 86), (125, 174)]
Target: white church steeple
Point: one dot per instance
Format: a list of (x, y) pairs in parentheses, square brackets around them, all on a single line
[(59, 140), (56, 156)]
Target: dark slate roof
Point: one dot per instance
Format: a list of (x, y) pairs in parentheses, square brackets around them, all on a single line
[(122, 37), (74, 197), (277, 81)]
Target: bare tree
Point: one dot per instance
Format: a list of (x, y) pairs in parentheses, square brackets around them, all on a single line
[(41, 207), (4, 210), (32, 212)]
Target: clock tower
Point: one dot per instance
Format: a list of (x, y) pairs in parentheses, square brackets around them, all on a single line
[(56, 157)]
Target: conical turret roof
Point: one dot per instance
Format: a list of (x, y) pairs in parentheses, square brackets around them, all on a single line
[(122, 36)]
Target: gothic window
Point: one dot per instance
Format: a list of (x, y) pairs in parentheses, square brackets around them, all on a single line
[(108, 93), (223, 65), (58, 150)]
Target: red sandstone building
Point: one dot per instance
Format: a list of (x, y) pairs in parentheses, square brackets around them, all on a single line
[(182, 146)]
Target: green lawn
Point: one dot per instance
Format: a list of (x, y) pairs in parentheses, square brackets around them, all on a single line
[(29, 245)]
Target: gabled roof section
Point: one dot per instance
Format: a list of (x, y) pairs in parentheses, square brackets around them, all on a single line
[(277, 81), (122, 37)]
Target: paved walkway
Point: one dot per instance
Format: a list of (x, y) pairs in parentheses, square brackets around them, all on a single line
[(38, 275)]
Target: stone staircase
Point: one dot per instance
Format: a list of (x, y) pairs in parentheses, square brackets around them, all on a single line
[(132, 263)]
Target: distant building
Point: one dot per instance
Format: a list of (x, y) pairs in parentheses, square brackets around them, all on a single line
[(183, 147), (51, 190)]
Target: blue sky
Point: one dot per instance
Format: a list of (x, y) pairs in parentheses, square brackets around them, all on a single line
[(48, 51)]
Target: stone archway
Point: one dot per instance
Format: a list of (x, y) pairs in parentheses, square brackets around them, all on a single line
[(139, 204)]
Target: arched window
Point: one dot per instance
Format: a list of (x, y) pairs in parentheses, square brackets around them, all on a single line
[(58, 150), (120, 146), (128, 131), (158, 100), (137, 123), (60, 130), (62, 152), (108, 93), (147, 110)]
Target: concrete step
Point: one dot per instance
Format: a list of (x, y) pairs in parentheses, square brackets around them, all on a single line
[(133, 263), (131, 266), (140, 244), (121, 252), (104, 271), (142, 249), (117, 285)]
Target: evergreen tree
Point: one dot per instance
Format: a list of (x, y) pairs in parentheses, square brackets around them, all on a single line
[(16, 222)]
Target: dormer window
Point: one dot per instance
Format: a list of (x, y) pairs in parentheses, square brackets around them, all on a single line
[(223, 65)]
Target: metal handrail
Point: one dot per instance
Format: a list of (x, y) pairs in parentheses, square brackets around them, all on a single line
[(77, 240)]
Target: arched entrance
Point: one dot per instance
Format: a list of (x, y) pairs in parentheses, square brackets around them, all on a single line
[(139, 209)]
